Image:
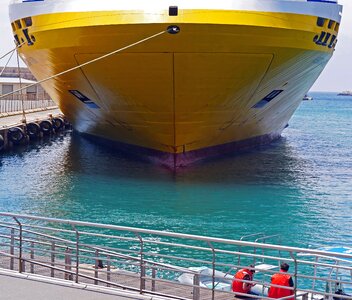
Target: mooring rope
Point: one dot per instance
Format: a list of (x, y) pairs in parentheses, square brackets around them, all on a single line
[(8, 61), (24, 120), (12, 51), (86, 63)]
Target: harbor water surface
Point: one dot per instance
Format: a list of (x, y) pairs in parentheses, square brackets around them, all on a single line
[(299, 187)]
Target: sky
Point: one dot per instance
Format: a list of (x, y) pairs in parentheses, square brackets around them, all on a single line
[(337, 76)]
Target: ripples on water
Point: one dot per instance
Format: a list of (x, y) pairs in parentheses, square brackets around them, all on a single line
[(299, 187)]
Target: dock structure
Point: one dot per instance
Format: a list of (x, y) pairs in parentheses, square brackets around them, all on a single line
[(20, 92), (162, 265), (26, 111), (17, 130), (21, 286), (30, 99), (10, 120)]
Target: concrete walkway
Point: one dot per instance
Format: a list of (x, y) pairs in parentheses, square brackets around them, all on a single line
[(11, 120), (15, 286)]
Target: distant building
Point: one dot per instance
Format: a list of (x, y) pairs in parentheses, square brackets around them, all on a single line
[(32, 97), (10, 84), (14, 72), (10, 81)]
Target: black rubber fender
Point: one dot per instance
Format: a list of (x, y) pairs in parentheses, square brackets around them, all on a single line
[(2, 142), (46, 126), (58, 123), (16, 135), (33, 130)]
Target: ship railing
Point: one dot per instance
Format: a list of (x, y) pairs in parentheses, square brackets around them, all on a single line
[(151, 262), (18, 103)]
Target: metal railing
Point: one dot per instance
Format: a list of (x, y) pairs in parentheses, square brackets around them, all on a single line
[(151, 262), (15, 104)]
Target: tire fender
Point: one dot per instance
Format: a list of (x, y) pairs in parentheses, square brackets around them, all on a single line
[(16, 135)]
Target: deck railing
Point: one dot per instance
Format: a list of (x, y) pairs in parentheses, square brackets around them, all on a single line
[(150, 261)]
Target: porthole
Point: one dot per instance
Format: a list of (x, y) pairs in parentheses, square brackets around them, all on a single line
[(17, 39), (28, 21), (331, 24), (18, 24), (321, 22)]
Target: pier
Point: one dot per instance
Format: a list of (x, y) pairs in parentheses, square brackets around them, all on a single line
[(151, 263), (27, 112), (20, 286), (15, 130)]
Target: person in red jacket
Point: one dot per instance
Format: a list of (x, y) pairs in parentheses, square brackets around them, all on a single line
[(282, 279), (240, 286)]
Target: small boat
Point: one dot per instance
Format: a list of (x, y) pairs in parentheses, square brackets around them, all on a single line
[(223, 281), (345, 93), (307, 98)]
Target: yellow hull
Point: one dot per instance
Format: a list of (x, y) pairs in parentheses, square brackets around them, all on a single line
[(179, 93)]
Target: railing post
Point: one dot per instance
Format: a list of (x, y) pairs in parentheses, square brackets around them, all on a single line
[(20, 261), (32, 258), (143, 272), (52, 258), (153, 278), (108, 270), (77, 252), (12, 248), (68, 261), (196, 290), (23, 265), (315, 273), (305, 296), (213, 268), (239, 256), (336, 276), (96, 267), (141, 265), (295, 274), (254, 256)]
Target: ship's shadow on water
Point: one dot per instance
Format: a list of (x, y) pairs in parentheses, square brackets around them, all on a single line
[(272, 163)]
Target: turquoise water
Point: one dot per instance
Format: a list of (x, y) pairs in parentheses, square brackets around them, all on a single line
[(299, 187)]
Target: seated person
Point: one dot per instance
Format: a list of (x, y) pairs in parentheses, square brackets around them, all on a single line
[(282, 279), (239, 286)]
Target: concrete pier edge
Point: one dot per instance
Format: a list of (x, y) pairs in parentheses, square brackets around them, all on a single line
[(35, 116), (87, 287)]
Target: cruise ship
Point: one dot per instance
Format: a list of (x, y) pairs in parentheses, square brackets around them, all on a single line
[(176, 81)]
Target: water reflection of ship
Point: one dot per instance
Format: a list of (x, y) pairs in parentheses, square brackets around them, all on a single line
[(275, 163)]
